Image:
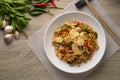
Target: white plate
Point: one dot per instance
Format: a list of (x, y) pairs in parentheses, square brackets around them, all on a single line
[(79, 16)]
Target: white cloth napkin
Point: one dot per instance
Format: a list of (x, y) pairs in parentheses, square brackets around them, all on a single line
[(36, 44)]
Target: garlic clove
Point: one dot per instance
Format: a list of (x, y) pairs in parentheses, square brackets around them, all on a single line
[(8, 38), (3, 23), (8, 29), (16, 35)]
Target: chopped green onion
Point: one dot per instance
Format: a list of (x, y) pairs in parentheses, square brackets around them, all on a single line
[(64, 27), (74, 62), (70, 44), (96, 35), (85, 53), (84, 28)]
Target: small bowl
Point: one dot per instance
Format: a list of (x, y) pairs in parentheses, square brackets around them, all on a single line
[(78, 16)]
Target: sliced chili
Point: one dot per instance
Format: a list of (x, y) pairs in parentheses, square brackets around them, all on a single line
[(53, 3), (62, 51), (41, 4)]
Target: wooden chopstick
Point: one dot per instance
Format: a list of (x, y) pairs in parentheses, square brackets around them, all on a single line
[(106, 26)]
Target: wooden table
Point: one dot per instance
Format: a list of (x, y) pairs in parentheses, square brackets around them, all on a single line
[(18, 62)]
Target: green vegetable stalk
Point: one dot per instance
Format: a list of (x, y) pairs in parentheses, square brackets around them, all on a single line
[(13, 11), (0, 22), (38, 11)]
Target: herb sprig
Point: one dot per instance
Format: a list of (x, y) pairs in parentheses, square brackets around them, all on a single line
[(13, 11)]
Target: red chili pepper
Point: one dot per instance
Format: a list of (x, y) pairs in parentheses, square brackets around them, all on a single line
[(53, 3), (40, 4), (87, 46), (79, 25), (90, 54), (62, 51), (66, 30)]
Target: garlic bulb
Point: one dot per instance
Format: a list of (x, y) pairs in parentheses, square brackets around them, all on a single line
[(8, 29), (16, 35), (3, 23), (8, 38)]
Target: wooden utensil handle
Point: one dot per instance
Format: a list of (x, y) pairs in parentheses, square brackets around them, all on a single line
[(106, 26)]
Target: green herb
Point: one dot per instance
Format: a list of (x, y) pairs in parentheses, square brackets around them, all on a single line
[(62, 43), (84, 28), (96, 35), (38, 11), (90, 37), (14, 13), (70, 44), (0, 22), (74, 62), (64, 27), (41, 1), (23, 9), (28, 2), (85, 53)]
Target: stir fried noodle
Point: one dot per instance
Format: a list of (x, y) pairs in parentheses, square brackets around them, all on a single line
[(75, 42)]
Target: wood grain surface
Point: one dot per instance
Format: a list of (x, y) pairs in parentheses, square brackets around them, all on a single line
[(18, 62)]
